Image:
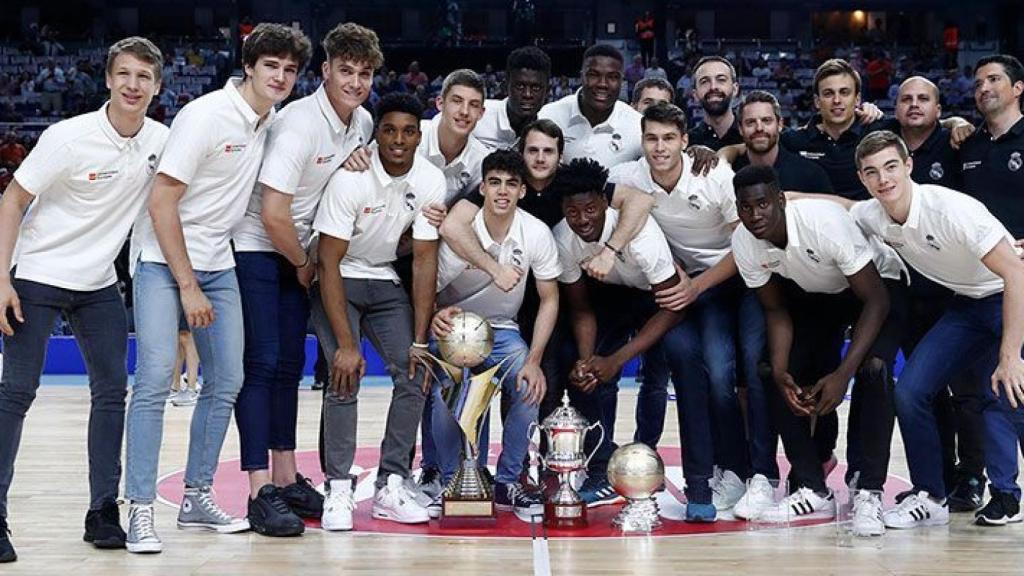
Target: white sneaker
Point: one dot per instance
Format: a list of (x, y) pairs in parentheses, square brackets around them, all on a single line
[(338, 506), (917, 510), (760, 496), (804, 504), (184, 398), (867, 514), (423, 498), (142, 538), (435, 507), (394, 501), (726, 488)]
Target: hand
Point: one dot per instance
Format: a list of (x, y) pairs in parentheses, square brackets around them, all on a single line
[(358, 160), (829, 391), (798, 404), (679, 296), (532, 378), (1010, 373), (197, 307), (441, 325), (9, 301), (599, 266), (419, 356), (962, 131), (305, 273), (508, 277), (347, 369), (704, 159), (604, 368), (582, 377), (435, 214), (867, 113)]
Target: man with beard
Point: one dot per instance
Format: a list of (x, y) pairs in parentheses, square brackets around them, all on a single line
[(714, 80), (594, 122), (527, 72)]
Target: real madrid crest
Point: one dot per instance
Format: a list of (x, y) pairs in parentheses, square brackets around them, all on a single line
[(936, 172), (616, 142), (151, 164), (1015, 162)]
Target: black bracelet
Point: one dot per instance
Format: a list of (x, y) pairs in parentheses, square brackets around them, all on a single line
[(618, 253), (304, 263)]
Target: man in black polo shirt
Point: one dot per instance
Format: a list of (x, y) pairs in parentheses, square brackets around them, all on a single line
[(715, 86), (917, 122)]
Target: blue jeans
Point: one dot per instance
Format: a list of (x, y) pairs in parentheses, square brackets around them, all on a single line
[(714, 323), (276, 309), (100, 326), (970, 328), (514, 441), (220, 347)]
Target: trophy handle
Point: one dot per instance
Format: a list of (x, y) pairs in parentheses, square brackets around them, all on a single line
[(598, 446), (530, 431)]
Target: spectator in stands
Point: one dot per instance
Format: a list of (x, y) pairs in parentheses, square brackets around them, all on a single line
[(50, 80), (645, 34), (414, 76), (783, 73), (963, 88), (684, 86), (879, 72), (761, 69), (635, 72), (194, 57), (12, 152), (655, 70)]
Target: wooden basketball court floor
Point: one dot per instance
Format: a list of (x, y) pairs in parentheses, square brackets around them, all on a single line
[(50, 494)]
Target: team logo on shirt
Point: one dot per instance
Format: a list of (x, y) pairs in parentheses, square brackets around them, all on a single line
[(102, 176), (616, 142), (813, 256), (517, 257), (931, 242), (464, 178), (151, 164), (324, 159), (233, 148), (971, 165), (771, 264), (694, 201), (936, 172), (373, 209), (812, 155), (1015, 162), (410, 201)]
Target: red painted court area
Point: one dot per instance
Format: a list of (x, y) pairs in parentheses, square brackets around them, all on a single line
[(232, 485)]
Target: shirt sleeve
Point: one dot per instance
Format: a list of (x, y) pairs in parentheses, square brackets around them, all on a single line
[(545, 262), (652, 254), (48, 163), (422, 229), (187, 144), (850, 249), (338, 209), (571, 270), (725, 197), (743, 252), (979, 230), (288, 151)]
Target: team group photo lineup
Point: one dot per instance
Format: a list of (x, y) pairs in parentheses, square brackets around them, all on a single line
[(810, 258)]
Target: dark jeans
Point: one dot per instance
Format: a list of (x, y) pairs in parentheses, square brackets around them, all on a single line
[(100, 324), (275, 308), (819, 328)]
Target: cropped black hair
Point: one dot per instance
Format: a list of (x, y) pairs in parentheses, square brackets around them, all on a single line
[(581, 176)]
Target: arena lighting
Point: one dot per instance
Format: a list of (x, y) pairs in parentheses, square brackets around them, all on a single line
[(858, 15)]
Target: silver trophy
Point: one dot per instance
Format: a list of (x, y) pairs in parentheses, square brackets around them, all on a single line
[(636, 472)]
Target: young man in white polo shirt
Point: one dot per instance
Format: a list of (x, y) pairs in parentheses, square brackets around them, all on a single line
[(361, 219), (516, 238), (86, 180), (815, 273), (614, 319), (307, 143), (697, 214), (185, 267), (955, 241), (448, 140), (595, 123), (527, 73)]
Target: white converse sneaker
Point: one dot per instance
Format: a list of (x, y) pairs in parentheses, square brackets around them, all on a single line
[(867, 514), (142, 538), (394, 501), (726, 488), (338, 506), (917, 510), (804, 504), (760, 496)]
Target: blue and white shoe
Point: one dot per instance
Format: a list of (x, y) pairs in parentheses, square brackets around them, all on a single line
[(701, 513), (596, 491)]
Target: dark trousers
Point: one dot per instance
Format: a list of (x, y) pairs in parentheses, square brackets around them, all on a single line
[(819, 328), (100, 325)]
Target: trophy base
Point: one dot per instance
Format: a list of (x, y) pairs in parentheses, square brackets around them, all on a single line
[(567, 516), (467, 513), (638, 516)]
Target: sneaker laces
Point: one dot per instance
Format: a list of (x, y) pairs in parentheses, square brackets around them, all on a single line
[(205, 498), (142, 522), (865, 504), (763, 489), (278, 504), (340, 498)]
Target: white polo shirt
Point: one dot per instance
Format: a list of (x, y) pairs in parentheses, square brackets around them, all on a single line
[(306, 144), (528, 245), (372, 210), (945, 237), (696, 215), (612, 142), (824, 247), (646, 261), (494, 130), (462, 175), (215, 147), (90, 184)]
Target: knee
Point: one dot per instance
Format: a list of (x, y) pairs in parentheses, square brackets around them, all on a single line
[(16, 401), (260, 369), (873, 370)]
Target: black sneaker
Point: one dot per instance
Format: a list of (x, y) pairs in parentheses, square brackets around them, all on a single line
[(103, 527), (513, 497), (1002, 509), (270, 515), (967, 495), (7, 553), (303, 498)]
